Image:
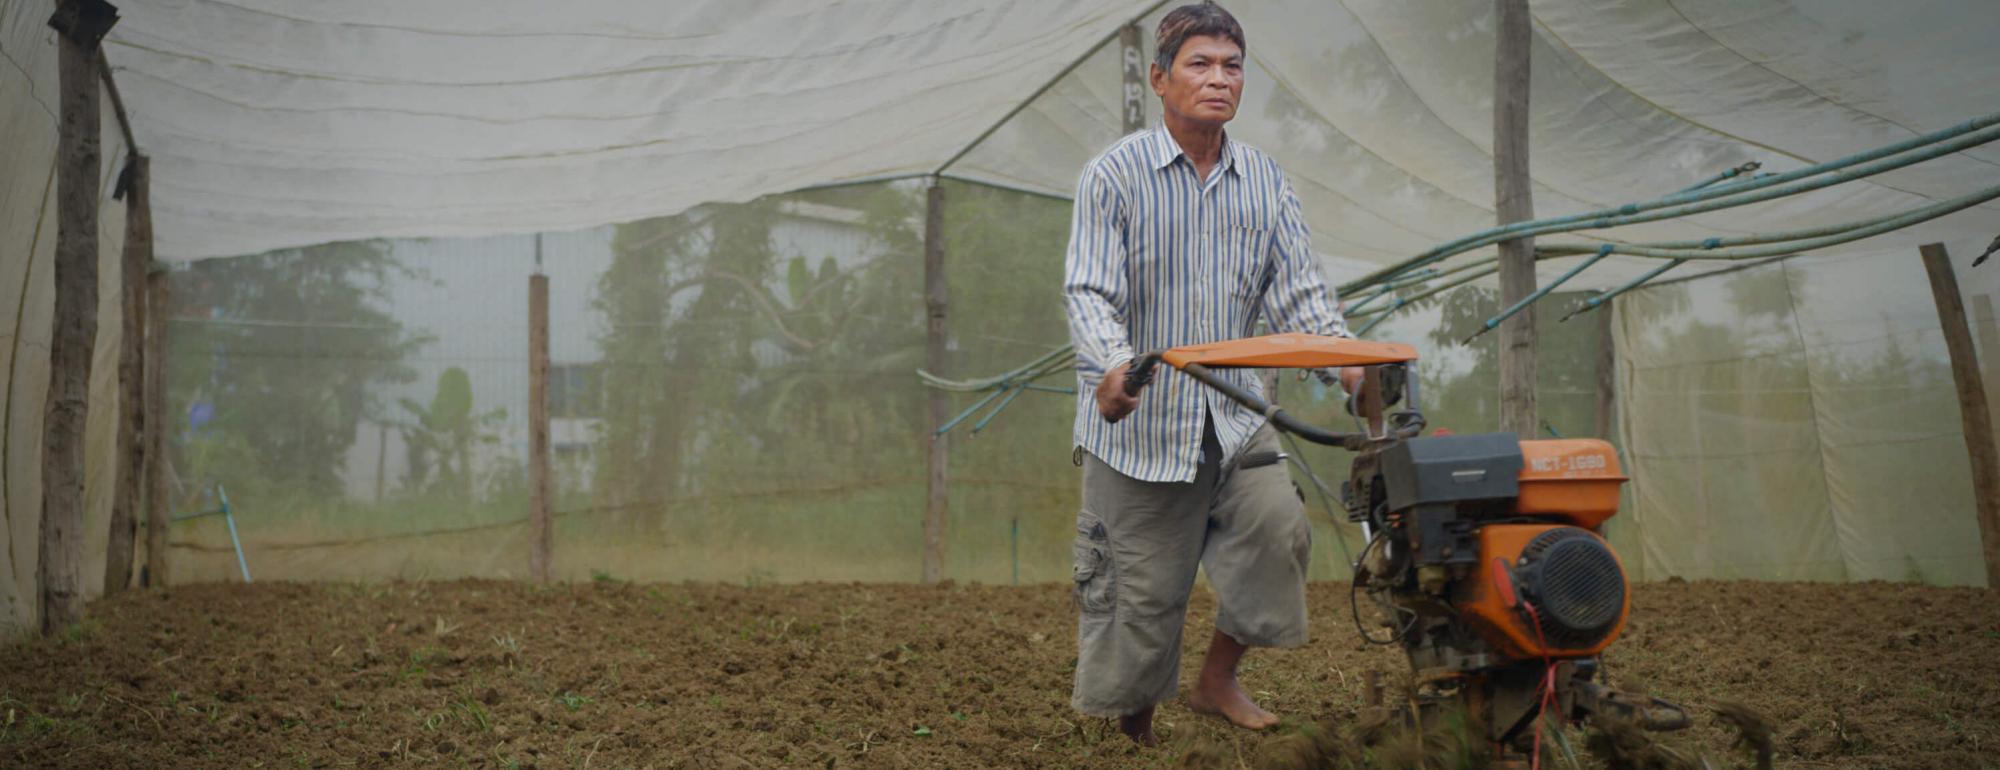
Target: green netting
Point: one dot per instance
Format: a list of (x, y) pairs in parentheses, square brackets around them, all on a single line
[(733, 397), (1798, 421)]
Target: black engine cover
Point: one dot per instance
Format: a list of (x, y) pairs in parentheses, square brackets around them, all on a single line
[(1444, 469)]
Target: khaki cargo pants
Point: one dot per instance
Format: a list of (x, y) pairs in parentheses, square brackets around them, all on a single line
[(1138, 544)]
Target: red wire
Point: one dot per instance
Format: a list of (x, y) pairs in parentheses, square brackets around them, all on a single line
[(1548, 684)]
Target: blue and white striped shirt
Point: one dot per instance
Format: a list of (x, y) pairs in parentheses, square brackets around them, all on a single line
[(1159, 259)]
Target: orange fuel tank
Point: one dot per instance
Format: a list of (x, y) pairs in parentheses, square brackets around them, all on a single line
[(1576, 479)]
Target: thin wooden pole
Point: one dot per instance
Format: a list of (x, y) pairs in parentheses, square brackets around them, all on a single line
[(1989, 337), (157, 509), (1975, 418), (1607, 371), (381, 460), (117, 101), (540, 537), (1514, 202), (935, 498), (136, 260), (81, 24), (1132, 62)]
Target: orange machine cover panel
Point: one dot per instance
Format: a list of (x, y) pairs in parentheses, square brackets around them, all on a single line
[(1290, 351), (1485, 604), (1577, 479)]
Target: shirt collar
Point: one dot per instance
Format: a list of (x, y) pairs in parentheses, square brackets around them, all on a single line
[(1166, 150)]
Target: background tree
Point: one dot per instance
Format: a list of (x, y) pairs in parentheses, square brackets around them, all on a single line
[(273, 357), (440, 437)]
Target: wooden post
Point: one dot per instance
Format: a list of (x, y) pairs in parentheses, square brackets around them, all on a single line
[(157, 508), (1975, 418), (1989, 337), (1982, 311), (1514, 202), (80, 25), (1132, 60), (128, 495), (136, 260), (1607, 371), (935, 498), (381, 459), (540, 536)]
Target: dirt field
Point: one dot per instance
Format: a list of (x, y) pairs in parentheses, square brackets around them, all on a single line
[(610, 675)]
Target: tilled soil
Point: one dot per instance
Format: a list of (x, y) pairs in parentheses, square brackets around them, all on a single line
[(612, 675)]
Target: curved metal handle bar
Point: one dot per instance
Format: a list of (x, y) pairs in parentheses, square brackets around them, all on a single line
[(1141, 374)]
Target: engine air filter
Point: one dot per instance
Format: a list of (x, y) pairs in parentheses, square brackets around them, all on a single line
[(1576, 585)]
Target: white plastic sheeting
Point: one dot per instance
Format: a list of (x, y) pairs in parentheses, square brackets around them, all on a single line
[(27, 309), (1798, 421), (278, 123), (1381, 112), (294, 122), (287, 122)]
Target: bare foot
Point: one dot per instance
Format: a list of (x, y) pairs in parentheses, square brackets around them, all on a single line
[(1223, 696), (1139, 727)]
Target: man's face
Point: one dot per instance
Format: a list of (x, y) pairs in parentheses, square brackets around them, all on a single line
[(1205, 83)]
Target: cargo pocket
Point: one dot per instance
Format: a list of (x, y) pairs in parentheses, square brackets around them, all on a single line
[(1096, 582), (1302, 543)]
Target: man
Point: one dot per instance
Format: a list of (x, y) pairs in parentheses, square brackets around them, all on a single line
[(1181, 236)]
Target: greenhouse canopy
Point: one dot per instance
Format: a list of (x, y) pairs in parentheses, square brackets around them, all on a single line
[(275, 124)]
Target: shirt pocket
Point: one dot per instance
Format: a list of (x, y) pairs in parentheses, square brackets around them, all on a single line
[(1243, 256)]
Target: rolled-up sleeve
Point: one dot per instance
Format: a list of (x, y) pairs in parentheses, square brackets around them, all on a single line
[(1094, 276), (1299, 299)]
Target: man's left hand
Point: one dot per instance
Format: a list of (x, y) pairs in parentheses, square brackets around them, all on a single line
[(1350, 380)]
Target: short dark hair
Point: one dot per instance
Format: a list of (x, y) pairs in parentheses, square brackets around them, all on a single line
[(1196, 20)]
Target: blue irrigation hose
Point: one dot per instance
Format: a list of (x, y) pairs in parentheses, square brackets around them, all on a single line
[(1852, 232), (1402, 302), (229, 517), (1537, 294), (1379, 318), (1401, 281), (1712, 249), (1012, 393), (1717, 203), (1835, 238), (1755, 238), (1723, 177), (967, 414), (1678, 252), (1383, 314), (1594, 302), (1014, 548), (1968, 134), (228, 514), (1674, 251), (1532, 227)]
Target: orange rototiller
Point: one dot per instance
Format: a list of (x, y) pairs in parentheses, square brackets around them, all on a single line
[(1485, 550)]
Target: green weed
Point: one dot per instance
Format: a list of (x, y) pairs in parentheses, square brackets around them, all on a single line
[(474, 714)]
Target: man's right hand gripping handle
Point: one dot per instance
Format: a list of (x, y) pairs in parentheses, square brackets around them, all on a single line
[(1118, 392)]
